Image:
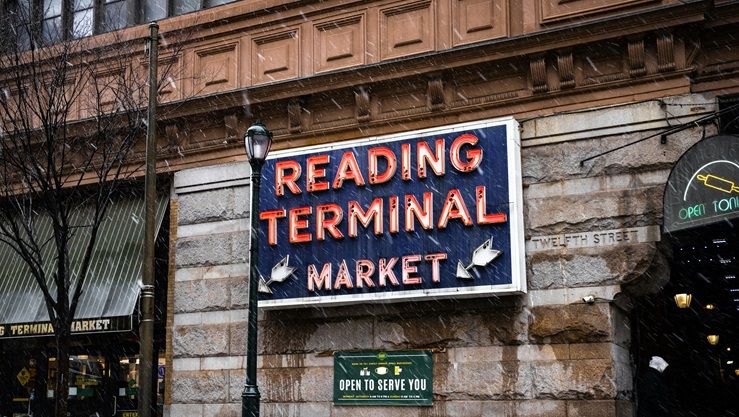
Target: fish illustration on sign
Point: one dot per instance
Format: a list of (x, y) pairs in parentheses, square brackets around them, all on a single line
[(483, 255), (280, 272)]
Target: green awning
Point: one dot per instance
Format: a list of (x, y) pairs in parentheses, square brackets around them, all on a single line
[(111, 288)]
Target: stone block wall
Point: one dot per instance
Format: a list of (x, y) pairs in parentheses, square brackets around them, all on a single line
[(592, 230)]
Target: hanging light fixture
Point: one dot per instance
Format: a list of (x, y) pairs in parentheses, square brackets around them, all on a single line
[(710, 306), (683, 300), (736, 372), (712, 339)]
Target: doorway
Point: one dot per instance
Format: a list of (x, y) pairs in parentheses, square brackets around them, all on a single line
[(692, 324)]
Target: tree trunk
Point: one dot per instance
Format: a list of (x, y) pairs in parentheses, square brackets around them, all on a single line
[(61, 396)]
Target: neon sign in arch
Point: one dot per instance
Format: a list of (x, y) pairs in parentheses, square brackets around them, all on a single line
[(703, 187)]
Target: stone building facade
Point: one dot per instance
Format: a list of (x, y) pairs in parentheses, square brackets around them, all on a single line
[(592, 230), (580, 77)]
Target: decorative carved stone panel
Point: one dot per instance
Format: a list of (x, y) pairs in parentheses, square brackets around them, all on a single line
[(436, 96), (637, 57), (276, 57), (538, 68), (106, 95), (109, 86), (478, 20), (295, 115), (11, 96), (215, 68), (339, 43), (73, 111), (172, 135), (170, 70), (231, 125), (665, 52), (363, 103), (171, 88), (406, 29), (565, 69), (556, 10)]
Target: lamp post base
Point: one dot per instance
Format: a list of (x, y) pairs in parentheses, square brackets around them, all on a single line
[(250, 401)]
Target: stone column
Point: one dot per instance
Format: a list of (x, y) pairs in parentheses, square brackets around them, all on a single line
[(210, 291)]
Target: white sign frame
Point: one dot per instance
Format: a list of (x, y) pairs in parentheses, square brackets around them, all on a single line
[(515, 222)]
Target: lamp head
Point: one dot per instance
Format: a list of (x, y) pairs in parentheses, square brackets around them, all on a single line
[(258, 141), (683, 300)]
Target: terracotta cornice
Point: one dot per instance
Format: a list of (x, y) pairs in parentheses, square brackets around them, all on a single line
[(568, 99), (495, 50)]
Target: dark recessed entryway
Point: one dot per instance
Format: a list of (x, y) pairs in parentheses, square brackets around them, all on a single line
[(702, 377)]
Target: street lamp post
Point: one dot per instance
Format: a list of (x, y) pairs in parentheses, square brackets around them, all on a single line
[(257, 140)]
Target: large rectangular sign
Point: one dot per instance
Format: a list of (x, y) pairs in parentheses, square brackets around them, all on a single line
[(431, 213), (383, 378)]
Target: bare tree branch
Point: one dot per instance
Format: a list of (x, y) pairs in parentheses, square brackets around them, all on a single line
[(71, 131)]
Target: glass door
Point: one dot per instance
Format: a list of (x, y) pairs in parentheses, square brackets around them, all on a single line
[(127, 386), (89, 385), (126, 376)]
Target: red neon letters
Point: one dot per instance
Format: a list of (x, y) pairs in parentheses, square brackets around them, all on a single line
[(288, 172), (369, 273), (429, 210)]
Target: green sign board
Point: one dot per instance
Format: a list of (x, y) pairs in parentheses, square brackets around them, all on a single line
[(383, 378)]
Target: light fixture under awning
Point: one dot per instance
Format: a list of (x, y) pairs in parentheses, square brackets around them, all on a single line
[(111, 290)]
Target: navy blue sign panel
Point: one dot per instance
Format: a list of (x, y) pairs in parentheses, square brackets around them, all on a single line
[(425, 214)]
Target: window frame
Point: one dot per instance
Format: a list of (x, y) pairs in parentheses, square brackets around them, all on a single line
[(68, 11), (134, 10)]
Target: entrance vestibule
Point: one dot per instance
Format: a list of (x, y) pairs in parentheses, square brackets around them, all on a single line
[(693, 324)]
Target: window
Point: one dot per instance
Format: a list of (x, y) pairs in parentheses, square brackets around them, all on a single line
[(185, 6), (155, 10), (116, 13), (160, 9), (50, 21), (214, 3), (16, 16), (51, 25), (58, 20), (82, 19)]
